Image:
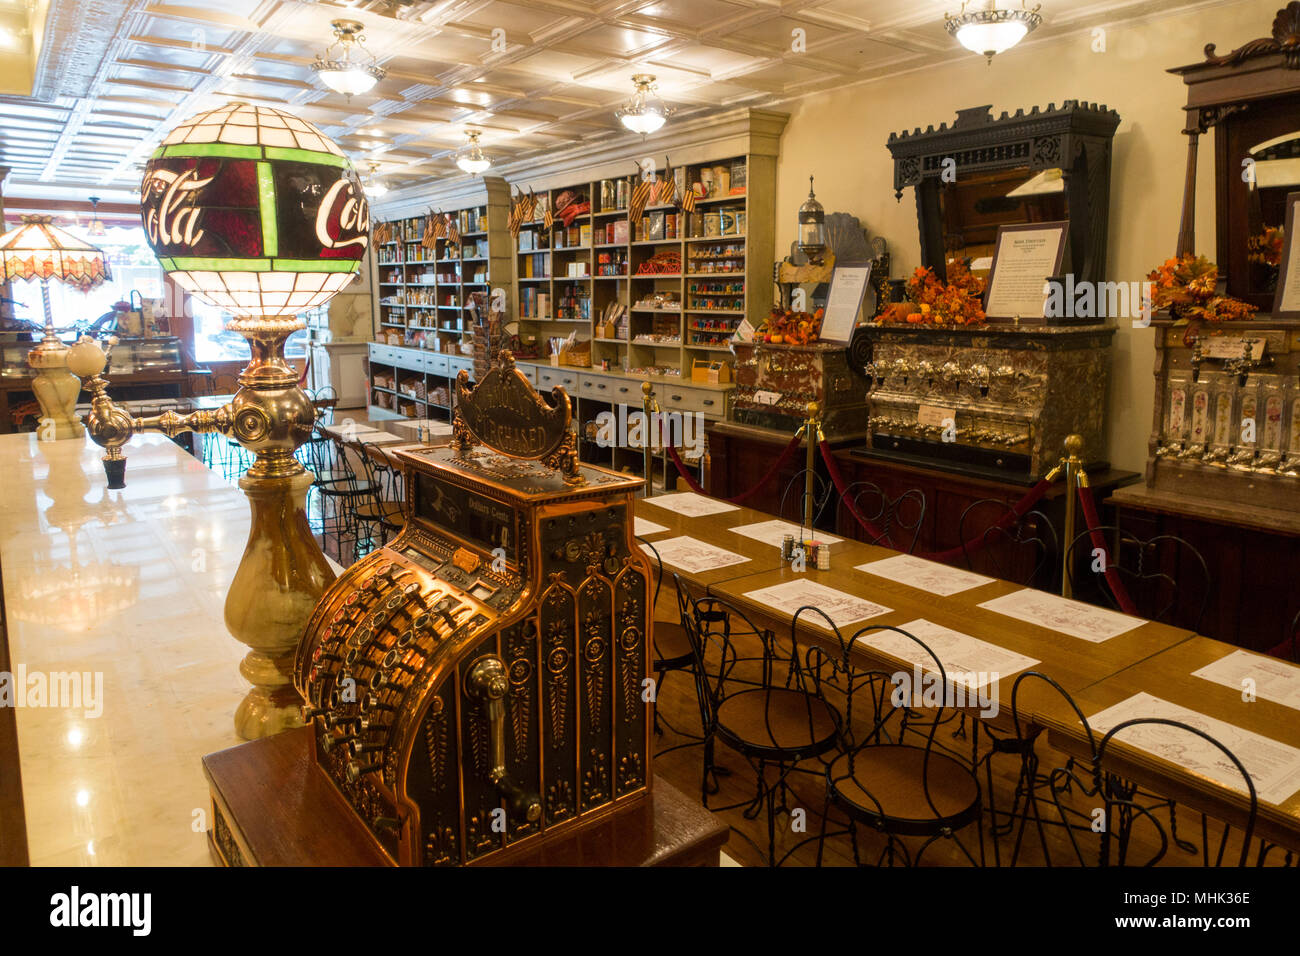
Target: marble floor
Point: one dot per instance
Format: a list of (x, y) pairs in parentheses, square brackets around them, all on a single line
[(125, 588)]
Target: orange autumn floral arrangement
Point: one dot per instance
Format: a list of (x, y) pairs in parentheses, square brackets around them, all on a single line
[(932, 302), (1185, 286), (1266, 248), (791, 328)]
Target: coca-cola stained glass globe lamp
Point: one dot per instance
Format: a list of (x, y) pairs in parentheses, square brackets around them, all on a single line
[(259, 213)]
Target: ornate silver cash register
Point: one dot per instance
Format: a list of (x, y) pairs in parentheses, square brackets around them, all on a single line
[(477, 686), (996, 399)]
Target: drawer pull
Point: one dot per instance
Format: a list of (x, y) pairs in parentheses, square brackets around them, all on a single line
[(708, 401), (601, 385), (676, 398), (623, 388)]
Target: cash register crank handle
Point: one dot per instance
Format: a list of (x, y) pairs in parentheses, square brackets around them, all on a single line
[(486, 681)]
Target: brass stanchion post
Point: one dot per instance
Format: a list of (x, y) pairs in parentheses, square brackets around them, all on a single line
[(1073, 469), (810, 436), (647, 407)]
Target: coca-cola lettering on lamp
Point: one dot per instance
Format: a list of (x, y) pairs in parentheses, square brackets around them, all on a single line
[(259, 213), (255, 211)]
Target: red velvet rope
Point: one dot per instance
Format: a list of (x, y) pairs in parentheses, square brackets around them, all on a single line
[(745, 495), (1018, 511), (1113, 579)]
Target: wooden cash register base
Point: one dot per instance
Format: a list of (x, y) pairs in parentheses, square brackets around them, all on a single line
[(272, 807)]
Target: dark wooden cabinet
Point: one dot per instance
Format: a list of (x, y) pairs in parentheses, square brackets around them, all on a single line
[(740, 455), (1253, 556)]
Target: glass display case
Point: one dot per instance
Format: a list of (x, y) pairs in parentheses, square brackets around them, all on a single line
[(131, 356), (13, 359)]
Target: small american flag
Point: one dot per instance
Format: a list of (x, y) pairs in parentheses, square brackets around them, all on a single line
[(640, 196), (453, 231), (516, 214), (668, 188), (687, 202), (427, 239), (438, 225)]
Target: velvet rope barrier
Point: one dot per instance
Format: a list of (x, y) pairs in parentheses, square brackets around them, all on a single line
[(1018, 511), (745, 495), (1113, 580)]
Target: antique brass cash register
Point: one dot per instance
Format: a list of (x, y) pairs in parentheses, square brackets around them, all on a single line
[(477, 686)]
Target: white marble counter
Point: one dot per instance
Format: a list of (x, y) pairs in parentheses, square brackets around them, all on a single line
[(127, 586)]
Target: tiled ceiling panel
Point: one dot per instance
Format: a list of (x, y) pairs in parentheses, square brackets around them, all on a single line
[(116, 75)]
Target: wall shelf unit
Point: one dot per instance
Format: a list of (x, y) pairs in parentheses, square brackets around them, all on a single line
[(715, 263)]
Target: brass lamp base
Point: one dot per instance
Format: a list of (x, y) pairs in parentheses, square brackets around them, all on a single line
[(276, 587), (283, 572)]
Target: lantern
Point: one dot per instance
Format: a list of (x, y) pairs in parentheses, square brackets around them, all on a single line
[(812, 226)]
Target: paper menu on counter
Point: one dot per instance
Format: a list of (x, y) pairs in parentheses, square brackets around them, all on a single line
[(690, 504), (693, 556), (924, 575), (1272, 765), (966, 660), (646, 528), (843, 609), (772, 532), (1074, 618), (1272, 679)]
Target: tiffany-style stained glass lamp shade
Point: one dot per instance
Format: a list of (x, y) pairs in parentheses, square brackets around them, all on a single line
[(259, 213), (255, 211), (38, 250)]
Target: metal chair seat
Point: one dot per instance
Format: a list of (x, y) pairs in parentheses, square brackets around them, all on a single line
[(672, 646), (386, 513), (343, 484), (777, 724), (888, 784)]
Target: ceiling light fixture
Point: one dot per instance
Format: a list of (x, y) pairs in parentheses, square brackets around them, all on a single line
[(373, 186), (471, 158), (96, 225), (991, 30), (645, 112), (342, 73)]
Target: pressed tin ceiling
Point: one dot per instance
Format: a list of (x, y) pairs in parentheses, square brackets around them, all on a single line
[(114, 75)]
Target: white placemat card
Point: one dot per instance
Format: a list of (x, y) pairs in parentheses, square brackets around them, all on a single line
[(929, 576), (693, 556), (690, 504), (1084, 621), (843, 609)]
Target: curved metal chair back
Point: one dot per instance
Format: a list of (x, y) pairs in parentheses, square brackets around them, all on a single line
[(897, 519), (794, 497), (1289, 648), (1165, 575), (1122, 809), (895, 702), (1058, 782), (998, 542), (734, 655)]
